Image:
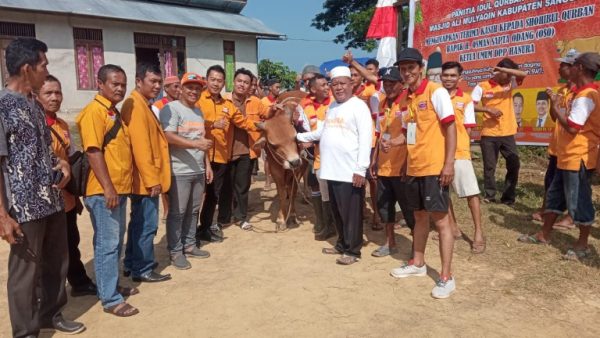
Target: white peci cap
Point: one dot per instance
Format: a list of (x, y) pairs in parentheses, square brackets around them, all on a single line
[(340, 71)]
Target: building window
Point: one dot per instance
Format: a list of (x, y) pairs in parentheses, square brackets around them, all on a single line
[(166, 51), (229, 60), (8, 32), (89, 56)]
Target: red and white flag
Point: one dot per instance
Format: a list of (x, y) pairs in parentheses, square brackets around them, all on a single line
[(384, 26)]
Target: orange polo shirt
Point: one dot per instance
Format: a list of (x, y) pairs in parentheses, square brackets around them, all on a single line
[(256, 111), (567, 94), (214, 110), (464, 113), (390, 164), (315, 112), (364, 92), (492, 95), (94, 121), (584, 116), (61, 150), (150, 149), (268, 100), (429, 106)]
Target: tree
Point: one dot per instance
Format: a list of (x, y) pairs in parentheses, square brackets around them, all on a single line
[(268, 69), (355, 15)]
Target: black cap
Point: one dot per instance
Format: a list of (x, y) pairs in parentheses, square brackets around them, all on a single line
[(391, 74), (590, 61), (409, 55)]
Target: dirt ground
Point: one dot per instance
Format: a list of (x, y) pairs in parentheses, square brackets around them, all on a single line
[(266, 284)]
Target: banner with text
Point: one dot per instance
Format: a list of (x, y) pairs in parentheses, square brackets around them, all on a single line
[(479, 34)]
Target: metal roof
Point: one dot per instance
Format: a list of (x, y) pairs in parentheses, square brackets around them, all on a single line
[(148, 12), (233, 6)]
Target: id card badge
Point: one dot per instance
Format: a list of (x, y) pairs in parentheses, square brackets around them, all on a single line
[(411, 133)]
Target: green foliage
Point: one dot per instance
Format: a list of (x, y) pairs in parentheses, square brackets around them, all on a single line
[(268, 69), (355, 15)]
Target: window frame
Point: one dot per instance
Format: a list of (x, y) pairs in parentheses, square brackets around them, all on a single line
[(89, 44)]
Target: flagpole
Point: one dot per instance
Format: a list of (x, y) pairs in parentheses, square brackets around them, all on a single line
[(412, 9)]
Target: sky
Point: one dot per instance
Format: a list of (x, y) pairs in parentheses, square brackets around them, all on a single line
[(305, 44)]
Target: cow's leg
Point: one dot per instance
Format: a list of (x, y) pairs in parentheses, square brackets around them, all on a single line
[(294, 178), (283, 205)]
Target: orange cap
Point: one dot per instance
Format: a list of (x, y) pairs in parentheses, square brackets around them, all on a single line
[(192, 78), (170, 80)]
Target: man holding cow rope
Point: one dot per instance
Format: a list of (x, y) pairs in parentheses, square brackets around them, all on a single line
[(345, 147)]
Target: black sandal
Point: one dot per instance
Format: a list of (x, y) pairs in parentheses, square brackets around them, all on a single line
[(126, 292), (122, 310)]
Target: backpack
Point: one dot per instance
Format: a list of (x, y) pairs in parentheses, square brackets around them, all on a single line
[(80, 166)]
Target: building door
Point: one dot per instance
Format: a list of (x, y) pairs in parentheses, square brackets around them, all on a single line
[(8, 32), (168, 52)]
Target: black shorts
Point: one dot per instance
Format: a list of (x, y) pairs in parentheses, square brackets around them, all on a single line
[(426, 193), (391, 190)]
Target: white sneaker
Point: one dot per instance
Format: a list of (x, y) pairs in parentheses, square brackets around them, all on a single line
[(409, 270), (443, 289)]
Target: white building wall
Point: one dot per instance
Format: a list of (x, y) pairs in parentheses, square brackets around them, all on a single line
[(203, 48)]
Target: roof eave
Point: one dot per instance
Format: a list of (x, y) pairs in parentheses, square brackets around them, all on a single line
[(258, 35)]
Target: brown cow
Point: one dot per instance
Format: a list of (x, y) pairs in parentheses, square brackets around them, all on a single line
[(283, 156)]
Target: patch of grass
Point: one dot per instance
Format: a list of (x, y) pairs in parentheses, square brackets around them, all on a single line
[(539, 271)]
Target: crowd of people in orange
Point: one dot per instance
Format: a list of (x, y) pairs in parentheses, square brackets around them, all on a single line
[(195, 150)]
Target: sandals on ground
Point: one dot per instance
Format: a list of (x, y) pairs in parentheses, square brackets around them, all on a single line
[(531, 239), (126, 292), (478, 247), (122, 310), (577, 254), (331, 251)]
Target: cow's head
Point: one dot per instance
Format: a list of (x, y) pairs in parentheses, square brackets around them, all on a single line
[(280, 136)]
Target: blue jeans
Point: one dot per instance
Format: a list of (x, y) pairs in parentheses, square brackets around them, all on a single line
[(143, 224), (572, 191), (109, 229), (185, 197)]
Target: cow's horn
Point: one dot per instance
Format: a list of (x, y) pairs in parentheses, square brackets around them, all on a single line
[(260, 125)]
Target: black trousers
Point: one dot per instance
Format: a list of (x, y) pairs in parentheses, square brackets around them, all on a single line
[(76, 275), (347, 207), (241, 177), (213, 193), (389, 191), (37, 270), (490, 147)]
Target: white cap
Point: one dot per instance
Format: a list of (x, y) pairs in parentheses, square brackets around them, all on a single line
[(340, 71), (570, 57)]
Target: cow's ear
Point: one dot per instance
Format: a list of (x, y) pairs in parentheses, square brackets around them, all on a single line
[(260, 125)]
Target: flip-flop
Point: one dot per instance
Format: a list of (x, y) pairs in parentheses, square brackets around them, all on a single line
[(531, 239), (126, 292), (563, 226), (122, 310), (576, 254), (347, 260), (537, 216), (331, 251), (478, 247), (383, 251)]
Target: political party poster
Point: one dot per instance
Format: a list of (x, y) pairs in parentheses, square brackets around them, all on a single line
[(479, 34)]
